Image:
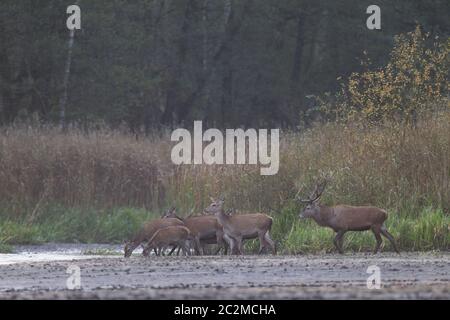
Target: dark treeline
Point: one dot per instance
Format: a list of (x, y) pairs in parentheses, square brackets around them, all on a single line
[(163, 63)]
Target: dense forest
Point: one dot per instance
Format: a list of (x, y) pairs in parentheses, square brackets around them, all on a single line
[(151, 64)]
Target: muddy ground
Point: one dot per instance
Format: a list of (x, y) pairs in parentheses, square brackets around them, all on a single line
[(329, 276)]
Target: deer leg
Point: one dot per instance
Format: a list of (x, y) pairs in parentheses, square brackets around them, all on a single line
[(182, 245), (376, 232), (146, 251), (226, 247), (173, 249), (389, 236), (240, 245), (199, 249), (205, 249), (235, 250), (262, 242), (233, 246), (337, 240), (220, 242), (341, 241), (231, 242), (188, 244), (222, 245), (271, 243), (196, 246)]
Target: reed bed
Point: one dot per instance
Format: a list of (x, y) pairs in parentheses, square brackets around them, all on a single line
[(99, 185)]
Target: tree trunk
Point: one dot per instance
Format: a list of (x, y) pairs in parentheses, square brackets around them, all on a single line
[(1, 106), (297, 63), (63, 99), (227, 77), (207, 90)]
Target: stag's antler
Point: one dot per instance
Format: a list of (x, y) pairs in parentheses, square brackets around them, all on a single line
[(319, 190), (316, 194)]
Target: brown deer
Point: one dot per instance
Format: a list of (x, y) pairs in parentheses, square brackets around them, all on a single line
[(343, 218), (147, 231), (243, 226), (205, 230), (171, 235)]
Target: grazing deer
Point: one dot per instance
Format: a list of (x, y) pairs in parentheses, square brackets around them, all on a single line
[(342, 218), (243, 226), (171, 235), (147, 232), (205, 229)]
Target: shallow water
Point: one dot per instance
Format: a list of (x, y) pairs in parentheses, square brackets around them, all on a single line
[(59, 252), (6, 259)]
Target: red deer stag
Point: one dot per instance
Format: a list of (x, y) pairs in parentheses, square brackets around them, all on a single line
[(343, 218)]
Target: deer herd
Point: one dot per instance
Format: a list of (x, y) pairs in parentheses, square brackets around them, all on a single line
[(228, 230)]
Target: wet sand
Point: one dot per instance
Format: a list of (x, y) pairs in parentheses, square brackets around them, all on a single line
[(327, 276)]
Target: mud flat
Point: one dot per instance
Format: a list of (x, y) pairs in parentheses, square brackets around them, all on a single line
[(327, 276)]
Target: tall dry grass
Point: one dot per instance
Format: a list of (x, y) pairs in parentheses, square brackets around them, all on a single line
[(78, 186), (399, 167), (102, 169)]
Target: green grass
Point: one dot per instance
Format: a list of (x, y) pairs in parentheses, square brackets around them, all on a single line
[(5, 247), (75, 225), (428, 230)]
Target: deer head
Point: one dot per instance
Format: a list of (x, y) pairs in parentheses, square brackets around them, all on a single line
[(215, 207), (312, 202)]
